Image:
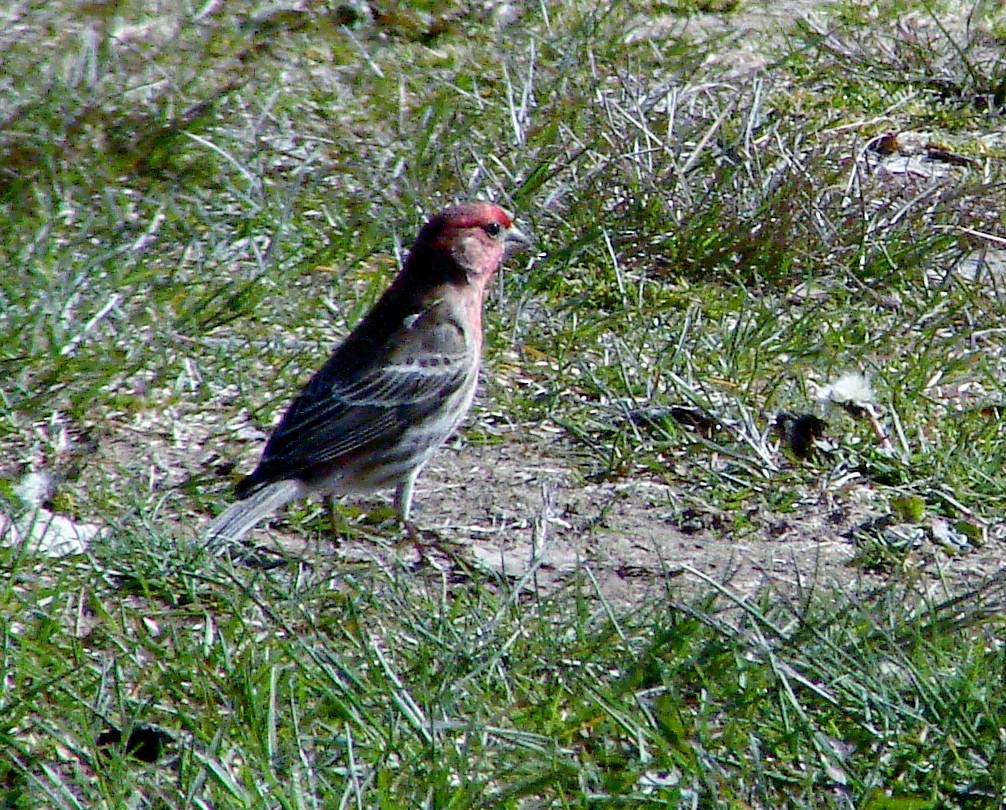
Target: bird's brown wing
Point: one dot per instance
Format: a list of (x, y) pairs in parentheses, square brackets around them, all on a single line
[(337, 415)]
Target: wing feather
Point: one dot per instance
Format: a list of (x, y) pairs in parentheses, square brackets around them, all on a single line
[(338, 415)]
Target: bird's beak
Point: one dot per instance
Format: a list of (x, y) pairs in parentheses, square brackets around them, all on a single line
[(515, 240)]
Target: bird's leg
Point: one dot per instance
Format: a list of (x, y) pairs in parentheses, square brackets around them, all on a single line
[(403, 505), (403, 497), (336, 521), (422, 541)]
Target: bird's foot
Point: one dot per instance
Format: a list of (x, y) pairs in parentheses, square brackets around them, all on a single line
[(252, 555), (426, 541)]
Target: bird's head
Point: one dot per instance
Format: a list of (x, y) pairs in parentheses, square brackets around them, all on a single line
[(467, 242)]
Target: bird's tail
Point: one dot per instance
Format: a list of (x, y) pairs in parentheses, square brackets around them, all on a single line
[(239, 518)]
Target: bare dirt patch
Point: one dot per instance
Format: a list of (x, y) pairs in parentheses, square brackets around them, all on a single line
[(522, 509)]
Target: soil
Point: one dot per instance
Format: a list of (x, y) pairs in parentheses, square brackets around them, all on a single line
[(520, 510)]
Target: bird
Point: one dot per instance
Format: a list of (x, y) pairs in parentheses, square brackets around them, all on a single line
[(396, 388)]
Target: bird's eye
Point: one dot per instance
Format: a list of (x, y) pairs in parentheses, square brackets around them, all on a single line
[(493, 229)]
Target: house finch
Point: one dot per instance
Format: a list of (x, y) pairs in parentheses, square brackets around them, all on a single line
[(396, 388)]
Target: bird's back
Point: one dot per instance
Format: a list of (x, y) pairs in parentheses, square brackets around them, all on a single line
[(394, 375)]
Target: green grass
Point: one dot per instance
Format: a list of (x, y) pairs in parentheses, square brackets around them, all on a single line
[(193, 209), (288, 689)]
